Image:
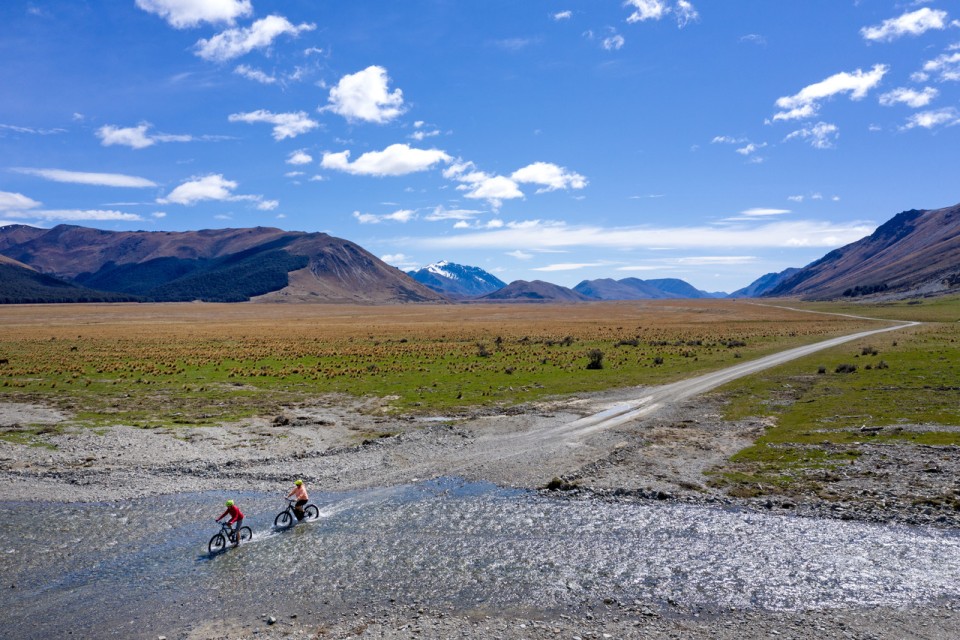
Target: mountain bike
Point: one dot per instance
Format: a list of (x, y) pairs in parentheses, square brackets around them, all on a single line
[(288, 516), (226, 534)]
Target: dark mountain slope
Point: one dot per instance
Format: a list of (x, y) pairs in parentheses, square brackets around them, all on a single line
[(916, 252)]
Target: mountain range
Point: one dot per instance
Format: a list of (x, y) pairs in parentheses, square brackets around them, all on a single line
[(917, 252), (214, 265)]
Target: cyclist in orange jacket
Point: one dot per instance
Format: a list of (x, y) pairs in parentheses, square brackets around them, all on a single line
[(300, 493)]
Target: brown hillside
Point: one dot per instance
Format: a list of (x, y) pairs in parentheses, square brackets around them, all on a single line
[(916, 252)]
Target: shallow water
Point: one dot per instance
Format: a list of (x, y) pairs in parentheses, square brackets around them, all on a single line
[(139, 569)]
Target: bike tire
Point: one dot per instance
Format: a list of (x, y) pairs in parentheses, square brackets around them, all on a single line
[(283, 520), (310, 512), (217, 544), (246, 534)]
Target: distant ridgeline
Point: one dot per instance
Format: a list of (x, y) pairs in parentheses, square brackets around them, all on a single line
[(916, 252)]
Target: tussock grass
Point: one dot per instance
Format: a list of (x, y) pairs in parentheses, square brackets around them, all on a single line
[(173, 364)]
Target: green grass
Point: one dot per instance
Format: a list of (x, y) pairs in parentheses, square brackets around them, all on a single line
[(818, 418), (146, 384)]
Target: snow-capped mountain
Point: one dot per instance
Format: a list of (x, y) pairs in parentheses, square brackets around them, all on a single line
[(457, 280)]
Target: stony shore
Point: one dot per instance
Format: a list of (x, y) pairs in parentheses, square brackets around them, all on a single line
[(339, 444)]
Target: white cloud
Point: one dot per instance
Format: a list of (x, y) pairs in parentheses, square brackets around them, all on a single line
[(728, 140), (751, 148), (190, 13), (72, 215), (685, 13), (947, 117), (254, 74), (211, 187), (796, 198), (420, 135), (562, 15), (945, 66), (16, 201), (657, 9), (550, 176), (285, 125), (806, 103), (647, 10), (716, 260), (570, 266), (234, 43), (553, 236), (909, 97), (299, 157), (820, 136), (82, 177), (395, 160), (913, 23), (613, 43), (401, 216), (133, 137), (30, 130), (137, 137), (520, 255), (754, 38), (440, 213), (760, 211), (365, 96)]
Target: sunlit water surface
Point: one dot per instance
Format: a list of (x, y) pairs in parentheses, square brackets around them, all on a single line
[(139, 569)]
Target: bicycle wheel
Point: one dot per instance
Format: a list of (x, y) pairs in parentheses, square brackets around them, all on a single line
[(283, 520), (217, 544), (310, 512), (246, 533)]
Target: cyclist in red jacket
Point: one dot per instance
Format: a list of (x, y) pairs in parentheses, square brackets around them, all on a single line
[(236, 517)]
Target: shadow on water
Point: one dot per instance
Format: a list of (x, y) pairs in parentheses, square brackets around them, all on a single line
[(141, 568)]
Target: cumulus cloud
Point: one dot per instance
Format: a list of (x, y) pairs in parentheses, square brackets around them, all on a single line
[(234, 43), (945, 67), (133, 137), (647, 10), (181, 14), (365, 96), (562, 15), (213, 187), (550, 176), (644, 10), (254, 74), (820, 136), (751, 148), (806, 103), (613, 43), (395, 160), (946, 117), (85, 177), (909, 97), (285, 125), (913, 23), (299, 157)]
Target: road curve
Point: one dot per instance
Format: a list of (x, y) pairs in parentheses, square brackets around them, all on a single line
[(676, 392)]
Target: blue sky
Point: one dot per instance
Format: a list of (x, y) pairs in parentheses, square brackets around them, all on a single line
[(543, 139)]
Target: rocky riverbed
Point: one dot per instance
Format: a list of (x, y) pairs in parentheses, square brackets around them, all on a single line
[(340, 444)]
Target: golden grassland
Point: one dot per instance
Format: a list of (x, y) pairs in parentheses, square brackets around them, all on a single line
[(162, 364), (166, 364)]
